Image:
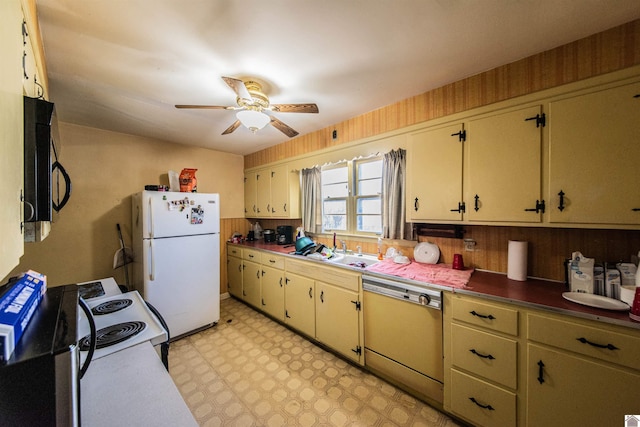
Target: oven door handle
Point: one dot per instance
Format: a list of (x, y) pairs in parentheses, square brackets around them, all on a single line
[(93, 335)]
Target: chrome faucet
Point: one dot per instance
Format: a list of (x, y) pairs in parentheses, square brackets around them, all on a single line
[(344, 246)]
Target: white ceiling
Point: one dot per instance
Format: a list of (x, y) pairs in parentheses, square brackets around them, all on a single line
[(121, 65)]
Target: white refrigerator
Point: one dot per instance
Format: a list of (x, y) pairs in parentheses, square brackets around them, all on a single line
[(176, 242)]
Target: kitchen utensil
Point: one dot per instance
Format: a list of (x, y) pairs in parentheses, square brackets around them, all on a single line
[(269, 235), (303, 244), (427, 253), (597, 301), (458, 264)]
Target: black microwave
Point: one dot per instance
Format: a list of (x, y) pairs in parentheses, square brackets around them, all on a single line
[(40, 382), (37, 159)]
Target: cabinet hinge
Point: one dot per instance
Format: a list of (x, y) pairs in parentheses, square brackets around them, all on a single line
[(358, 305), (541, 120), (462, 135), (357, 350)]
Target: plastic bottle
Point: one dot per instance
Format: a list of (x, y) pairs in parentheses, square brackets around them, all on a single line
[(258, 231), (379, 248)]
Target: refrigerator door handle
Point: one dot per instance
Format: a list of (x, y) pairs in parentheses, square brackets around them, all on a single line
[(150, 219), (152, 267)]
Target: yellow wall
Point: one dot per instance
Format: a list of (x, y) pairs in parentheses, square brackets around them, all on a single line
[(106, 168)]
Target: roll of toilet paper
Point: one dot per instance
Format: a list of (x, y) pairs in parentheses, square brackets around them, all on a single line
[(517, 260)]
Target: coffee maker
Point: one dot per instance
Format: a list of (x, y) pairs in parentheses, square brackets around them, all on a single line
[(285, 234)]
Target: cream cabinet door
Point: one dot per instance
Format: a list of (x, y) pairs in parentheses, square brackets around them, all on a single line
[(250, 195), (251, 283), (279, 191), (234, 276), (273, 292), (503, 167), (594, 157), (435, 174), (263, 193), (337, 320), (565, 390), (12, 140), (300, 303)]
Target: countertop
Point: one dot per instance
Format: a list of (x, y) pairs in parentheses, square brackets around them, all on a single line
[(131, 387), (534, 293)]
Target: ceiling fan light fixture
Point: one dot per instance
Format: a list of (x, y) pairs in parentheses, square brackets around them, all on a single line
[(253, 120)]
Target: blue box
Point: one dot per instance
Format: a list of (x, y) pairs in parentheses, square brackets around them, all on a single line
[(17, 306)]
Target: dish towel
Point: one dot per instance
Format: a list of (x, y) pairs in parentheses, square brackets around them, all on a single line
[(437, 274)]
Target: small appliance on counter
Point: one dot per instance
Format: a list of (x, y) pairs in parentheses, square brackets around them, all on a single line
[(285, 234), (269, 235)]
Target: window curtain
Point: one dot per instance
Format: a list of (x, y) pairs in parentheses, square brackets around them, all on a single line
[(311, 199), (394, 165)]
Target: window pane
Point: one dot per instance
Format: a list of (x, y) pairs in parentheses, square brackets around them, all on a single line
[(369, 206), (370, 186), (332, 176), (370, 169), (335, 190), (370, 223), (334, 215)]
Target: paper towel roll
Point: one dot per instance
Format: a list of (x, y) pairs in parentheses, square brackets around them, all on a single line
[(517, 260)]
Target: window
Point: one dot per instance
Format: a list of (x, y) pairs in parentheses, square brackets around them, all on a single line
[(351, 197)]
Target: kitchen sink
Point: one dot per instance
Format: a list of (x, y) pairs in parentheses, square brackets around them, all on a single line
[(355, 260)]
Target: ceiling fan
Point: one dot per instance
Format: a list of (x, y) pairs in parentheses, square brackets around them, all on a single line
[(252, 104)]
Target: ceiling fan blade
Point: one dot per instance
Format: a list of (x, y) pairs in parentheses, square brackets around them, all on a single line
[(294, 108), (209, 107), (238, 87), (283, 127), (231, 128)]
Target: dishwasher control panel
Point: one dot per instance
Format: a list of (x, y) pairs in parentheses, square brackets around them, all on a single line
[(403, 291)]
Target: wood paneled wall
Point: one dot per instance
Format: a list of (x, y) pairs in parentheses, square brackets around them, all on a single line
[(605, 52)]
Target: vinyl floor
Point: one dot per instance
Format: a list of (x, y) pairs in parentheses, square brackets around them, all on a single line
[(251, 371)]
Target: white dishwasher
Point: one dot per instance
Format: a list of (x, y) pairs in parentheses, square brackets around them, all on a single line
[(403, 334)]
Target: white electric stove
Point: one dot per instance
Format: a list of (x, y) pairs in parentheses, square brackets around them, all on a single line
[(122, 319)]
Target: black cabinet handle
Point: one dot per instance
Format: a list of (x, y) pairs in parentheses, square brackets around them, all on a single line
[(540, 372), (607, 346), (489, 407), (281, 282), (415, 205), (540, 206), (561, 206), (286, 314), (322, 297), (461, 208), (475, 203), (310, 292), (482, 316), (541, 120), (484, 356)]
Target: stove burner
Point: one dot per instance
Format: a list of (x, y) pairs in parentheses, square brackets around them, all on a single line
[(113, 334), (111, 306)]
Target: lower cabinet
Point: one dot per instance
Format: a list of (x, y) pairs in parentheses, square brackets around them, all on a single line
[(273, 292), (234, 276), (251, 283), (299, 308), (567, 390), (337, 319)]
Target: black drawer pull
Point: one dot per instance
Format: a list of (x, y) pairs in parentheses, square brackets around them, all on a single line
[(540, 372), (489, 407), (607, 346), (484, 356), (482, 316)]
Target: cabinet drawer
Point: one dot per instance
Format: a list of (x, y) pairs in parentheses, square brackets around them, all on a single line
[(480, 402), (485, 354), (333, 275), (490, 316), (235, 251), (272, 260), (599, 342), (251, 255)]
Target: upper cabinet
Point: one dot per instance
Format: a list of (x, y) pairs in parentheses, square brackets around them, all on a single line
[(11, 134), (503, 166), (594, 157), (272, 192), (434, 178)]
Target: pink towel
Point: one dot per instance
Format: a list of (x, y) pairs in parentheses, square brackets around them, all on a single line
[(437, 274)]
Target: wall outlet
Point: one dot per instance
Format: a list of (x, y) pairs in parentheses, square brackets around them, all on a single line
[(469, 245)]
